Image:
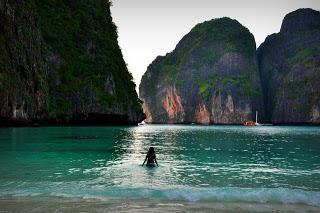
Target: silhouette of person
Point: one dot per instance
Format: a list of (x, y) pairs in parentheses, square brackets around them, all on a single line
[(151, 158)]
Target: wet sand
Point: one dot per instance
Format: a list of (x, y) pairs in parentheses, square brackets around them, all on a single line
[(31, 204)]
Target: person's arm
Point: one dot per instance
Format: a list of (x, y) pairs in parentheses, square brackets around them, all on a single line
[(145, 160), (155, 160)]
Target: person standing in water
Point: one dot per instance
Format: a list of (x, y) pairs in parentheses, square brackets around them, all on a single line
[(151, 158)]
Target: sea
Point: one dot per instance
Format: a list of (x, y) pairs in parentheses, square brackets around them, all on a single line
[(201, 168)]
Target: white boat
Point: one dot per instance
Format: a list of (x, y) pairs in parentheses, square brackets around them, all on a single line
[(257, 124), (252, 123)]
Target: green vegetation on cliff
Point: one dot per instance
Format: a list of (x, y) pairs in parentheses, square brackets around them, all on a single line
[(307, 56), (240, 82), (216, 60), (289, 69), (228, 33), (235, 37), (84, 36), (64, 58)]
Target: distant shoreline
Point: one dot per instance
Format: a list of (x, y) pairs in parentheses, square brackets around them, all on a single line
[(95, 120), (52, 124), (240, 124)]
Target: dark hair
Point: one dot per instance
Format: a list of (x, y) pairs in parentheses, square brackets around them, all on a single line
[(151, 150)]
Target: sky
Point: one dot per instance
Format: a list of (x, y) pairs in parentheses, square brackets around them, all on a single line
[(149, 28)]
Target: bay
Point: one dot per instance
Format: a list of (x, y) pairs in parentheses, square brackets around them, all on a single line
[(265, 164)]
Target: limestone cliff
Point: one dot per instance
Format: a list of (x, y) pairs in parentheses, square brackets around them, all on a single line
[(60, 63), (210, 77), (289, 65)]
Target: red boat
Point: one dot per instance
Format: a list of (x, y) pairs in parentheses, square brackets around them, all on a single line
[(252, 123)]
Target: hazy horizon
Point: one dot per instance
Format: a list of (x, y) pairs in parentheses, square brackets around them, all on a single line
[(149, 28)]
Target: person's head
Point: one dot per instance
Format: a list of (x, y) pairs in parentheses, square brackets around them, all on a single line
[(151, 150)]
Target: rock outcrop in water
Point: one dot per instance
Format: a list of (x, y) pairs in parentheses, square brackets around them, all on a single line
[(60, 63), (210, 77), (289, 64)]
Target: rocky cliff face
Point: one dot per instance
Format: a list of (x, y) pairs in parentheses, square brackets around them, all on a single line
[(289, 65), (60, 63), (210, 77)]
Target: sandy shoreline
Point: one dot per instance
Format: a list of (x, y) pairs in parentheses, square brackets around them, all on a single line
[(48, 204)]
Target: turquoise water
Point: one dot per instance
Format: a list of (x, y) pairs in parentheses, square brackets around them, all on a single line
[(264, 164)]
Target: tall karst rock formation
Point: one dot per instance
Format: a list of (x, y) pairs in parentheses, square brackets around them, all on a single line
[(289, 64), (60, 63), (210, 78)]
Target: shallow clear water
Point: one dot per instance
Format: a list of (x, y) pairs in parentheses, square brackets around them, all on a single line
[(196, 163)]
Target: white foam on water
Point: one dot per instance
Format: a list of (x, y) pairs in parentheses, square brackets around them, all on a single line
[(192, 194)]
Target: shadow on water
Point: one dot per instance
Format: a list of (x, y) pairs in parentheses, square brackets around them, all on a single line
[(78, 137)]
